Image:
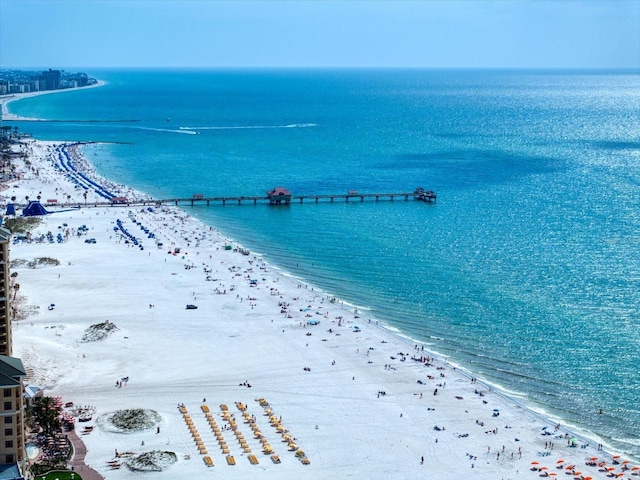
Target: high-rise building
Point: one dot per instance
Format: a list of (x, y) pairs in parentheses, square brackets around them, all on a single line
[(51, 80), (6, 343), (12, 411)]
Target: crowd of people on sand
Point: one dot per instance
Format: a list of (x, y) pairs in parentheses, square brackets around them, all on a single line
[(183, 233)]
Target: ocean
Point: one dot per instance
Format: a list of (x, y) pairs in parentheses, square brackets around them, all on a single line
[(526, 272)]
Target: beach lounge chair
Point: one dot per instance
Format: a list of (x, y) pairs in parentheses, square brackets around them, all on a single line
[(231, 460), (253, 459), (208, 461), (305, 461), (275, 458)]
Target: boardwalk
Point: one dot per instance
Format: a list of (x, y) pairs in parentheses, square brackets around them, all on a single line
[(77, 462), (252, 200)]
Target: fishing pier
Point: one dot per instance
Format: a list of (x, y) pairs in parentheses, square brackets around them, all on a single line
[(280, 196), (277, 196)]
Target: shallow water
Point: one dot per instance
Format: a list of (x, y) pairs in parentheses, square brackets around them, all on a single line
[(525, 272)]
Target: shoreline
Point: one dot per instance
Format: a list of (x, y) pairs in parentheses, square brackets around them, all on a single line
[(5, 100), (398, 443)]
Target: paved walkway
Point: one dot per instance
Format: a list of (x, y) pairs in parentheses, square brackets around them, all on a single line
[(77, 462)]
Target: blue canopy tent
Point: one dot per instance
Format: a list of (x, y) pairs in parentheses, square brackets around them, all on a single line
[(33, 209)]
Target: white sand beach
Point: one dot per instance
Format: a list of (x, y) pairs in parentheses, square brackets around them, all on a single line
[(359, 402), (5, 100)]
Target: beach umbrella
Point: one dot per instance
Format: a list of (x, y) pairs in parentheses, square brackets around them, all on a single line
[(543, 468), (635, 469), (560, 461), (593, 458), (535, 463), (610, 469)]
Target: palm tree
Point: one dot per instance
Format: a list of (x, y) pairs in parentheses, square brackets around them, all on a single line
[(46, 414)]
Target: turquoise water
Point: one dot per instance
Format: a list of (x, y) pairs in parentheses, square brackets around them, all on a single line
[(526, 271), (32, 450)]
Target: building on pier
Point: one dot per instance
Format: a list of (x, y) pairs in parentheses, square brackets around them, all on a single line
[(279, 196)]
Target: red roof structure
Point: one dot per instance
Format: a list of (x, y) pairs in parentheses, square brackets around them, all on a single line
[(279, 195)]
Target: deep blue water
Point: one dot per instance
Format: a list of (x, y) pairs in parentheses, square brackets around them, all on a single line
[(526, 271)]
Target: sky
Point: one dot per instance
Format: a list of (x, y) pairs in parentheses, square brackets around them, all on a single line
[(329, 33)]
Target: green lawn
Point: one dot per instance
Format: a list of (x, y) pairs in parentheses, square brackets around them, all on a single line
[(59, 475)]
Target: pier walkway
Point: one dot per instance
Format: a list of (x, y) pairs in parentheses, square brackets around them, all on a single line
[(201, 200)]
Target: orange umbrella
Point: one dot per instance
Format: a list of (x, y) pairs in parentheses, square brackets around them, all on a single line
[(553, 474), (534, 463), (560, 461), (593, 458), (635, 469), (620, 475), (543, 468), (588, 478), (611, 469), (624, 462), (616, 456)]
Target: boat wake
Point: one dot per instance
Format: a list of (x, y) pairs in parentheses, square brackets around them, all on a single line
[(246, 127), (188, 132)]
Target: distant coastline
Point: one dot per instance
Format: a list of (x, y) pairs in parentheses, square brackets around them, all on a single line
[(5, 100)]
